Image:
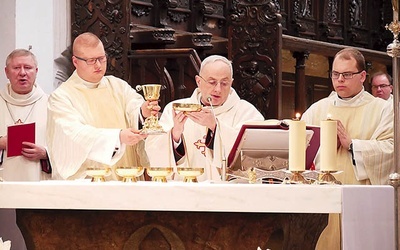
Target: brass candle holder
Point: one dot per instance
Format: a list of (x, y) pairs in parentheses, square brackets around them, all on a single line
[(151, 92), (297, 178), (159, 174), (190, 174), (129, 174), (326, 177)]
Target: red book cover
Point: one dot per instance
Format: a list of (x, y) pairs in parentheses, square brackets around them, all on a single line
[(16, 134)]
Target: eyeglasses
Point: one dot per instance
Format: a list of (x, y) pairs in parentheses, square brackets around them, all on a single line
[(92, 61), (346, 75), (224, 82), (382, 86)]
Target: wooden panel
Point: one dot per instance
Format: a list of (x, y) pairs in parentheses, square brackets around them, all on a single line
[(76, 229)]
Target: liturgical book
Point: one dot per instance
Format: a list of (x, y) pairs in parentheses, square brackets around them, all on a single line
[(260, 140), (16, 134)]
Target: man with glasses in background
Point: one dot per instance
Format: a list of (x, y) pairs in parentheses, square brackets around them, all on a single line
[(93, 117), (381, 85), (203, 138), (364, 131)]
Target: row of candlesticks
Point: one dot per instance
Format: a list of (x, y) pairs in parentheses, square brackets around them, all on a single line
[(298, 145)]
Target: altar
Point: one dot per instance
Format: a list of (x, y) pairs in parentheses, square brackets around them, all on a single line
[(175, 215)]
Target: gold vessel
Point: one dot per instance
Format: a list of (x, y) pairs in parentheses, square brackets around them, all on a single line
[(159, 174), (186, 107), (129, 174), (151, 92), (98, 174), (190, 174)]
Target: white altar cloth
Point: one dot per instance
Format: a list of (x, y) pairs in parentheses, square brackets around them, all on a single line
[(363, 208)]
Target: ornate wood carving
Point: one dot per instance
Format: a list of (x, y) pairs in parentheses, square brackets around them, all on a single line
[(255, 51), (109, 20), (75, 229)]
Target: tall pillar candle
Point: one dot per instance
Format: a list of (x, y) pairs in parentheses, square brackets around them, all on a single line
[(297, 145), (328, 145)]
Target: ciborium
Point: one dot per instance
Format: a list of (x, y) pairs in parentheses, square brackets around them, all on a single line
[(151, 92), (98, 171), (129, 173), (190, 174), (159, 174)]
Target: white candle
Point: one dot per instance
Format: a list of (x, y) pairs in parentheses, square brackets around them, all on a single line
[(297, 145), (328, 145)]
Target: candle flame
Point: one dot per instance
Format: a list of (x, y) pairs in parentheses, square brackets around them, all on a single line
[(329, 117), (298, 115)]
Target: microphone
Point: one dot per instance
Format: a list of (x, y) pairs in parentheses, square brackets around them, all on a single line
[(209, 99), (223, 172)]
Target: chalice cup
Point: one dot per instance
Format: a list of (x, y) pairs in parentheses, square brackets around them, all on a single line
[(190, 174), (98, 172), (151, 92), (129, 173), (159, 174)]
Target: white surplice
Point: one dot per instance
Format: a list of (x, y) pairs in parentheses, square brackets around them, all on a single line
[(84, 121), (230, 117), (29, 108), (369, 121)]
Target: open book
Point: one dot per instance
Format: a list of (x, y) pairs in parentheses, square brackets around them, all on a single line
[(270, 138)]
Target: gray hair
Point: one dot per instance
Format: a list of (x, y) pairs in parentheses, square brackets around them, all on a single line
[(20, 52), (215, 58)]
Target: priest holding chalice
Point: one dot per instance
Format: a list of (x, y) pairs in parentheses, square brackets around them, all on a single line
[(201, 129)]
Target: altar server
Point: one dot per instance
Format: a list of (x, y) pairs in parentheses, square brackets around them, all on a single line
[(364, 129), (95, 118), (204, 138)]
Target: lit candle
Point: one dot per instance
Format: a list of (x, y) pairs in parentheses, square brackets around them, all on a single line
[(297, 145), (328, 145)]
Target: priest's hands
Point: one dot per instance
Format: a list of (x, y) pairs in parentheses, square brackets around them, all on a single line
[(204, 117), (179, 125), (33, 152), (130, 136), (3, 142), (344, 138), (150, 108)]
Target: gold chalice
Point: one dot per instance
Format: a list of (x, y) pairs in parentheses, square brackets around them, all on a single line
[(98, 172), (159, 174), (129, 174), (190, 174), (151, 92)]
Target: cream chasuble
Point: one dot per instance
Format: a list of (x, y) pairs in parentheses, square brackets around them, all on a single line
[(29, 108), (84, 124), (369, 121), (230, 117), (108, 113)]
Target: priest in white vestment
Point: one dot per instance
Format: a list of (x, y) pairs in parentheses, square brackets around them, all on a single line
[(95, 119), (365, 129), (203, 139), (22, 101)]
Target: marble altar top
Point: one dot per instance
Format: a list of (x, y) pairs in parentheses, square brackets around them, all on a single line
[(177, 196)]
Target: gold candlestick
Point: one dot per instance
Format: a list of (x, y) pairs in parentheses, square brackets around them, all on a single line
[(298, 178), (326, 177)]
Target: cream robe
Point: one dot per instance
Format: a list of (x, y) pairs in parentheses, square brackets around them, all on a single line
[(369, 121), (84, 125), (29, 108), (231, 116)]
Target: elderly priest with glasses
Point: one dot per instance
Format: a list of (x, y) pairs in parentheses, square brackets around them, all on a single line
[(95, 118), (201, 139), (364, 130)]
